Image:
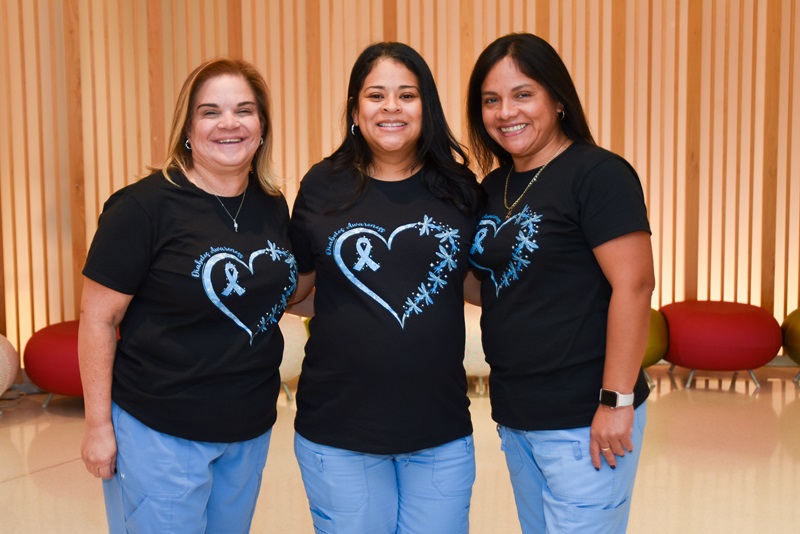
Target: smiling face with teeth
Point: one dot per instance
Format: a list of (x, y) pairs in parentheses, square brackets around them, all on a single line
[(389, 114), (224, 131), (520, 115)]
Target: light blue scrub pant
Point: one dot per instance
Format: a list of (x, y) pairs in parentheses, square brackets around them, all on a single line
[(166, 484), (426, 491), (558, 490)]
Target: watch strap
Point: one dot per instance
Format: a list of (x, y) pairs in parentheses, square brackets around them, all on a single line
[(615, 399)]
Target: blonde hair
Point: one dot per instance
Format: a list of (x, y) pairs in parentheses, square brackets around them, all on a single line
[(180, 158)]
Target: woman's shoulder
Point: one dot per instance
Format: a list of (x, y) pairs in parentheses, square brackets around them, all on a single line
[(589, 158), (151, 192), (324, 179)]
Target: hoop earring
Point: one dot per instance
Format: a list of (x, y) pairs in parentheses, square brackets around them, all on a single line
[(561, 114), (187, 145), (353, 129), (262, 142)]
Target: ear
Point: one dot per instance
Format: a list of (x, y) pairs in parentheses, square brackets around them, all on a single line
[(354, 116)]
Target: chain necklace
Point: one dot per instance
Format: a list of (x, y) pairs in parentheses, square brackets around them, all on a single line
[(233, 217), (533, 181)]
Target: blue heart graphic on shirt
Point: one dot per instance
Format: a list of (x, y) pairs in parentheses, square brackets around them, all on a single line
[(234, 286), (526, 225), (442, 259)]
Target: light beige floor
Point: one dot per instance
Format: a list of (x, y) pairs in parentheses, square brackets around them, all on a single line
[(716, 459)]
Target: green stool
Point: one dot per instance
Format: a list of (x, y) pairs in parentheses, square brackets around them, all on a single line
[(791, 338), (657, 342)]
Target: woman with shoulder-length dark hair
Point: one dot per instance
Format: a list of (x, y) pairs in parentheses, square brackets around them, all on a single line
[(192, 266), (382, 229), (564, 271)]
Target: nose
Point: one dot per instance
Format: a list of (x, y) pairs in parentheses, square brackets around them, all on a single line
[(391, 104), (506, 110), (229, 120)]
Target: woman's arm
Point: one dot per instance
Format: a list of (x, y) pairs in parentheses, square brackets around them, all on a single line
[(102, 310), (302, 301), (472, 289), (627, 263)]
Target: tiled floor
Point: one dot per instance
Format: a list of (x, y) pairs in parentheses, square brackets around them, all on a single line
[(716, 459)]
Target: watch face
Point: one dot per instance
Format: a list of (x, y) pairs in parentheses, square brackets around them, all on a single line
[(608, 398)]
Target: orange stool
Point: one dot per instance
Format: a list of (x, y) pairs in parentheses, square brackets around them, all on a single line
[(51, 360)]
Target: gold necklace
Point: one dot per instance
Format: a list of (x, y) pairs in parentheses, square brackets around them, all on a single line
[(533, 181)]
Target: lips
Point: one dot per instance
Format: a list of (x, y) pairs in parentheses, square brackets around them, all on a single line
[(513, 129)]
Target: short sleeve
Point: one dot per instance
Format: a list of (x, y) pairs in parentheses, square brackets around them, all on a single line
[(121, 251), (299, 233), (611, 202)]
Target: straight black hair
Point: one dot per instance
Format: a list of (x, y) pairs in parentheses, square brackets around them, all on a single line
[(539, 61), (445, 166)]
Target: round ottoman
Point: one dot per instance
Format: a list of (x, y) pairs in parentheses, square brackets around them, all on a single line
[(51, 360), (9, 364), (791, 338), (657, 342), (720, 336)]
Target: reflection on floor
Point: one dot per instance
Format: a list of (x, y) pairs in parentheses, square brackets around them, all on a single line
[(719, 457)]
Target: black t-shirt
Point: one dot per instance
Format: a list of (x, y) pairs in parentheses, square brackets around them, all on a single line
[(200, 345), (383, 371), (544, 297)]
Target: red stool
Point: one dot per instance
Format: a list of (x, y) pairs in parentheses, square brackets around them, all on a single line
[(720, 336), (51, 360)]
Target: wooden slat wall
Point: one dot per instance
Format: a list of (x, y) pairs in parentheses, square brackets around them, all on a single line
[(698, 94)]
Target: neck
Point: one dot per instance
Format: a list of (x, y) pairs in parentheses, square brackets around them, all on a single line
[(388, 171), (224, 186), (543, 156)]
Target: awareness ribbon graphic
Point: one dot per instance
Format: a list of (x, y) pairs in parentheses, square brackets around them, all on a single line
[(232, 274), (364, 248)]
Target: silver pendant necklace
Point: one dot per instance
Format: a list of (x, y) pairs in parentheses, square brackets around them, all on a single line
[(233, 217)]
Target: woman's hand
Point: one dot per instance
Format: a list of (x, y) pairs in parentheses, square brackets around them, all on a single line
[(610, 434), (99, 450)]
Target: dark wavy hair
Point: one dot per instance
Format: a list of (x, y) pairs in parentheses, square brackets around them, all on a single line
[(445, 166), (539, 61)]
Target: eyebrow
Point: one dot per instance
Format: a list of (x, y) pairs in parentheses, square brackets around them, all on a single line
[(383, 87), (515, 88), (212, 105)]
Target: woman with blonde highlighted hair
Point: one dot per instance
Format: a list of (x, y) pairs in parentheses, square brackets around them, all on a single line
[(192, 267)]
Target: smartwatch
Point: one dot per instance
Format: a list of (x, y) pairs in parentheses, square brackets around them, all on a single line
[(615, 399)]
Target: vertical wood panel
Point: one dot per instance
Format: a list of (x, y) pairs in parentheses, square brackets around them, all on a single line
[(77, 210), (618, 67), (467, 57), (792, 170), (692, 167), (235, 46), (390, 20), (770, 163), (155, 62), (314, 68), (8, 301)]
